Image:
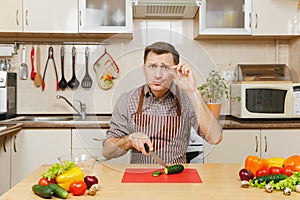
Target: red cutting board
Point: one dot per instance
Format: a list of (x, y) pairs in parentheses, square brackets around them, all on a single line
[(138, 175)]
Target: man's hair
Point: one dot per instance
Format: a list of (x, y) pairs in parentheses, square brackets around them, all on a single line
[(161, 48)]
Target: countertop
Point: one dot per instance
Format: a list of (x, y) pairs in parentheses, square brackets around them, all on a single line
[(219, 181), (102, 121)]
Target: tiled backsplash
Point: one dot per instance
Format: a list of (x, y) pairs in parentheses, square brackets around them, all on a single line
[(128, 53)]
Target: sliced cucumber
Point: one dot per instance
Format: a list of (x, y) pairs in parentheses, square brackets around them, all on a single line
[(156, 173), (174, 169)]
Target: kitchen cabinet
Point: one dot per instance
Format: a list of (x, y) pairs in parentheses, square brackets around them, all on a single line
[(11, 16), (30, 148), (247, 18), (5, 163), (105, 16), (237, 144), (90, 141), (231, 17), (50, 16), (271, 17), (31, 16)]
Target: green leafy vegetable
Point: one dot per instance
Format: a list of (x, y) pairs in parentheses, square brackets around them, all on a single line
[(57, 169), (289, 182)]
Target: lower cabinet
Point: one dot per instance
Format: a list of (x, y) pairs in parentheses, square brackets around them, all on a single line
[(31, 148), (5, 163), (237, 144), (91, 141)]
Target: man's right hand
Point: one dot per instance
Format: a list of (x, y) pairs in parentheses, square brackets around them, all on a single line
[(138, 140)]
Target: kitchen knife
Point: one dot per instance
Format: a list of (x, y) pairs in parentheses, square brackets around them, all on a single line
[(154, 156)]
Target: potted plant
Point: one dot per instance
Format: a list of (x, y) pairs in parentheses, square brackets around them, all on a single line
[(214, 89)]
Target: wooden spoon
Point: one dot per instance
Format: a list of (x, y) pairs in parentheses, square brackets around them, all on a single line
[(38, 79)]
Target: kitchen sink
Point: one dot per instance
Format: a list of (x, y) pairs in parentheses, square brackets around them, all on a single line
[(43, 119), (61, 119)]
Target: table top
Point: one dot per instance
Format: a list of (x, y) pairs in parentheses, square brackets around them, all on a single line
[(219, 181)]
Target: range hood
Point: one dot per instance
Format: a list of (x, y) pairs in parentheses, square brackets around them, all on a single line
[(160, 9)]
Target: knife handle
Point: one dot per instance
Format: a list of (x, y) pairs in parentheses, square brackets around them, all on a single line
[(146, 147)]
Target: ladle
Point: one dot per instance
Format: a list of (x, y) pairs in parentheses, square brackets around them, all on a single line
[(62, 84), (73, 83)]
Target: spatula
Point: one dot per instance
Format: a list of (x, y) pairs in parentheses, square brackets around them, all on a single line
[(86, 81), (38, 79)]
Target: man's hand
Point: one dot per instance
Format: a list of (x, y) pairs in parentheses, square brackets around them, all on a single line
[(138, 140), (184, 77)]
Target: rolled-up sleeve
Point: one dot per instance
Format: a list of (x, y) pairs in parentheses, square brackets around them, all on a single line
[(119, 123)]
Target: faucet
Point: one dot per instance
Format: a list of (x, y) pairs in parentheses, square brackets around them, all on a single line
[(82, 106)]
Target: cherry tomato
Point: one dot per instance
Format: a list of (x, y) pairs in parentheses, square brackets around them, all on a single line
[(262, 172), (288, 170), (78, 187), (276, 170), (45, 181)]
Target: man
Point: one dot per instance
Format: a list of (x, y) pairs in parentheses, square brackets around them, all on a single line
[(160, 113)]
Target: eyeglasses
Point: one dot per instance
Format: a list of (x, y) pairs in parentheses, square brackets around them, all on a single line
[(154, 67)]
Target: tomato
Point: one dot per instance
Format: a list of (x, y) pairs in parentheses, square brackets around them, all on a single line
[(288, 170), (262, 172), (45, 181), (276, 170), (78, 187)]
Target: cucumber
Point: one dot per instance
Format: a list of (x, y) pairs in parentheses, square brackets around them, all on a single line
[(268, 178), (174, 169), (156, 173), (58, 191), (42, 191)]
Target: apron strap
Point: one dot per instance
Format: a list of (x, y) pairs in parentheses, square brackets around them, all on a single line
[(140, 106)]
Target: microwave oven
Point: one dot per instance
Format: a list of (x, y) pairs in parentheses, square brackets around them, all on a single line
[(266, 100)]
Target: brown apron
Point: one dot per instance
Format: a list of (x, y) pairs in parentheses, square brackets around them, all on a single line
[(165, 132)]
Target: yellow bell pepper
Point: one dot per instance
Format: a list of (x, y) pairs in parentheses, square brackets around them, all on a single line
[(275, 162), (65, 179)]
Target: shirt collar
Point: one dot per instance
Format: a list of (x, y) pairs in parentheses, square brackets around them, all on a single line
[(172, 89)]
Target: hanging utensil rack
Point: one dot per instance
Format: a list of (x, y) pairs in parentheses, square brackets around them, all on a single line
[(18, 43)]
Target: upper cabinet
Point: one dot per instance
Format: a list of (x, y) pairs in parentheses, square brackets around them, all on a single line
[(11, 16), (50, 16), (247, 18), (224, 17), (271, 17), (105, 16), (30, 16)]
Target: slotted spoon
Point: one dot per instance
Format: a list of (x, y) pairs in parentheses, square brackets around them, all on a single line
[(86, 81)]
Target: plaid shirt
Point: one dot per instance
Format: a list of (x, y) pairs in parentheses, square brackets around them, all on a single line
[(121, 123)]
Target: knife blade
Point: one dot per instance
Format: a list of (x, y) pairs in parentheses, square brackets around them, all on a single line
[(154, 156)]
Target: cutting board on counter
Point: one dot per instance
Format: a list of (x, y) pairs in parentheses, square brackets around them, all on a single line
[(138, 175)]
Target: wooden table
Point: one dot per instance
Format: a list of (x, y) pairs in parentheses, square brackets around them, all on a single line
[(220, 181)]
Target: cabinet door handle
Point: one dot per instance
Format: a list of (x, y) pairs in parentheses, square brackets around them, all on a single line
[(256, 144), (250, 20), (15, 146), (26, 17), (17, 17), (80, 18), (256, 19), (266, 144), (4, 142), (98, 139)]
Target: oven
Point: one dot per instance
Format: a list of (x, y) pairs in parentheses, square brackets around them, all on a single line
[(195, 151)]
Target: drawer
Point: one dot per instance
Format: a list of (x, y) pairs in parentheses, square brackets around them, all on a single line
[(88, 138)]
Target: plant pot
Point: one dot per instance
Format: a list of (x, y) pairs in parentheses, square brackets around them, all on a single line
[(215, 109)]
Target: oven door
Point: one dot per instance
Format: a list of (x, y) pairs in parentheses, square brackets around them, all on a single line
[(194, 152)]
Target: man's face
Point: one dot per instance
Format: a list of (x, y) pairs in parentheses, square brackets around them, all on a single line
[(157, 73)]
